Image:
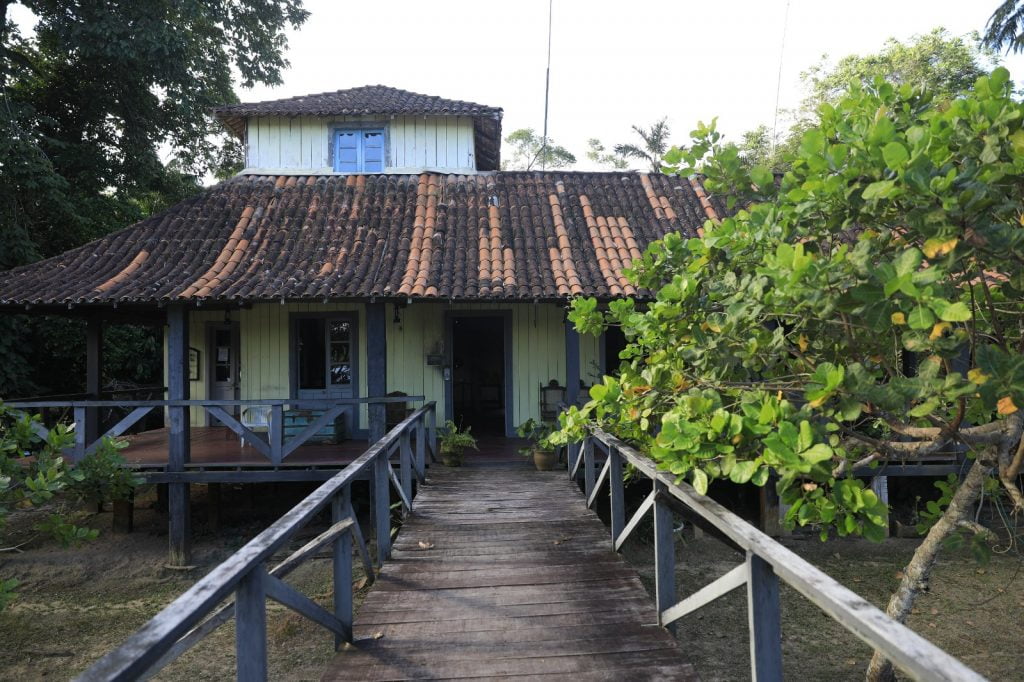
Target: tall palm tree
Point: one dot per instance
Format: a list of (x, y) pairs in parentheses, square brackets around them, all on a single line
[(654, 147), (1006, 27)]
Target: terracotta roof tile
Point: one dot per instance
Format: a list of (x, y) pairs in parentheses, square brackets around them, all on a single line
[(510, 235)]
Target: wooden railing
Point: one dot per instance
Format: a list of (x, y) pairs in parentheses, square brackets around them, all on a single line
[(766, 562), (273, 445), (196, 613), (61, 410)]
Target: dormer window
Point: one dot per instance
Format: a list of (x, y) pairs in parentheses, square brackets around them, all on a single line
[(359, 150)]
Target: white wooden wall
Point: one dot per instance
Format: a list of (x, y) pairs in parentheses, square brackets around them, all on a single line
[(414, 143)]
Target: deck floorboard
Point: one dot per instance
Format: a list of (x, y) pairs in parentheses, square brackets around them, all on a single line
[(505, 573)]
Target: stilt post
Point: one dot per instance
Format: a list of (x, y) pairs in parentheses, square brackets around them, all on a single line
[(376, 367), (93, 376), (179, 522)]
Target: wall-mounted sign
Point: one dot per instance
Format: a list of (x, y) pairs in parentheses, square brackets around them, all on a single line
[(193, 364)]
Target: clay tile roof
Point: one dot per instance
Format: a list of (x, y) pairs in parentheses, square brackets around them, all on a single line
[(502, 236), (377, 100)]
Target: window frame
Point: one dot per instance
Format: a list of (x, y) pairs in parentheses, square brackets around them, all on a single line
[(360, 130), (352, 318)]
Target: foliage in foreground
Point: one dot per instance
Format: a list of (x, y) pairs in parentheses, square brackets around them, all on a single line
[(35, 476), (862, 309)]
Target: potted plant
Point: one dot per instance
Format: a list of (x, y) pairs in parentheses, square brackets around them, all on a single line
[(541, 448), (454, 442)]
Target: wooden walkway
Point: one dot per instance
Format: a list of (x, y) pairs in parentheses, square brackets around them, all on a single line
[(503, 572)]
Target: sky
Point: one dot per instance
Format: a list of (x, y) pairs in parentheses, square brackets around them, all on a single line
[(613, 63)]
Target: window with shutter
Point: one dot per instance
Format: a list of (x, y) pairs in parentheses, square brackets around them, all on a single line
[(359, 151)]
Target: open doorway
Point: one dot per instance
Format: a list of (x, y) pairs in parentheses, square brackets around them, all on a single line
[(478, 384), (222, 366)]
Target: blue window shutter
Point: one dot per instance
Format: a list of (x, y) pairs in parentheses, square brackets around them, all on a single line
[(373, 151), (358, 151), (346, 151)]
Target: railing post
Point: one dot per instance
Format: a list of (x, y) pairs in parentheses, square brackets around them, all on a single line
[(664, 554), (588, 466), (80, 435), (616, 491), (342, 559), (764, 620), (571, 455), (432, 432), (382, 506), (275, 433), (92, 427), (421, 449), (405, 464), (251, 626)]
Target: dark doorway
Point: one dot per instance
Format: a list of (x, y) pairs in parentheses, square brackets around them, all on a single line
[(614, 343), (478, 380), (222, 368)]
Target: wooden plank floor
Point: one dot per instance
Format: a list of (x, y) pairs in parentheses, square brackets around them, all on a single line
[(503, 572)]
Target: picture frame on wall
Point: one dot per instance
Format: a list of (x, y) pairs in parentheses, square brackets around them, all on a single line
[(193, 364)]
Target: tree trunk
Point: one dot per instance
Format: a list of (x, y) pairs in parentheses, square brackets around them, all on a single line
[(918, 571)]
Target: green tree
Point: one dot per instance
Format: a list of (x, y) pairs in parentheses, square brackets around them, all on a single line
[(1005, 28), (529, 152), (943, 63), (779, 341), (655, 144), (93, 97), (597, 153)]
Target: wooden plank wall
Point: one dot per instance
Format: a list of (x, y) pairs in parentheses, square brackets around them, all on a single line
[(265, 348), (538, 351), (415, 143)]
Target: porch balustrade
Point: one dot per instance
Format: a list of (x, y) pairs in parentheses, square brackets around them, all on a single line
[(274, 444)]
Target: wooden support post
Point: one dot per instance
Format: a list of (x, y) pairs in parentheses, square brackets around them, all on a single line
[(764, 620), (617, 493), (179, 530), (124, 515), (572, 454), (275, 433), (251, 626), (572, 363), (376, 368), (588, 467), (664, 554), (93, 377), (382, 508), (421, 449), (78, 452), (432, 433), (880, 486), (405, 464), (342, 560), (771, 512)]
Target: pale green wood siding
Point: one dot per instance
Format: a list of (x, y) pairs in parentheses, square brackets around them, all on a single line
[(537, 349), (265, 352), (414, 143)]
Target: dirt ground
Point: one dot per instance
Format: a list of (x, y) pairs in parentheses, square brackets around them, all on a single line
[(76, 604)]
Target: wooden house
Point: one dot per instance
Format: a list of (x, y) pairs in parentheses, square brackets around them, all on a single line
[(372, 245)]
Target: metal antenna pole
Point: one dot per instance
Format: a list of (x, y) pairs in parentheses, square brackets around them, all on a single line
[(778, 81), (547, 88)]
